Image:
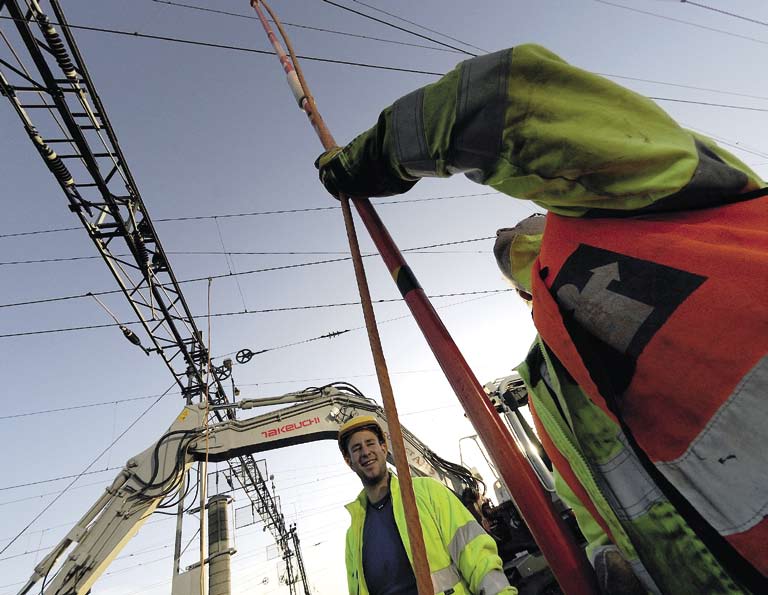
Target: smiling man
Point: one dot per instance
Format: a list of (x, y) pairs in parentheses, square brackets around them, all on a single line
[(463, 559)]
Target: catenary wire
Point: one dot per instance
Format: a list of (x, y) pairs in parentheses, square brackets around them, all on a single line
[(681, 86), (725, 12), (259, 213), (399, 18), (399, 28), (246, 312), (724, 105), (250, 272), (233, 47), (344, 62), (251, 252), (683, 22), (91, 464), (334, 334), (34, 483), (146, 397), (728, 142), (308, 27)]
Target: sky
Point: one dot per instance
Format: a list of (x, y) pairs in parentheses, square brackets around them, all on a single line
[(209, 131)]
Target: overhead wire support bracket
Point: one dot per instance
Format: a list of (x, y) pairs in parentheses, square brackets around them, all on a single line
[(99, 185), (565, 557), (110, 209)]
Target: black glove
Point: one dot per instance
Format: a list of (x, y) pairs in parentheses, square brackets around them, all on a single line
[(370, 178), (330, 170)]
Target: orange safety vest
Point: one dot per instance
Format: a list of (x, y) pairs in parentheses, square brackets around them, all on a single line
[(662, 319)]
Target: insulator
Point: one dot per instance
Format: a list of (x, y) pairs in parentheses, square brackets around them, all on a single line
[(57, 47), (143, 253), (130, 335), (158, 263), (54, 162)]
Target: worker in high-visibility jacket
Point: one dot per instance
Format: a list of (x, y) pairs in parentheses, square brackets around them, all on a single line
[(462, 557), (650, 373)]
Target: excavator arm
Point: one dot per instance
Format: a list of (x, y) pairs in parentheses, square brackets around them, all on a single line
[(156, 473)]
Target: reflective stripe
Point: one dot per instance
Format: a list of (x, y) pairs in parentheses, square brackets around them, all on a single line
[(444, 579), (481, 105), (644, 577), (493, 583), (723, 473), (631, 491), (462, 537), (411, 148)]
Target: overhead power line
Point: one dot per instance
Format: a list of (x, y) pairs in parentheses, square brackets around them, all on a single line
[(739, 107), (346, 62), (77, 407), (84, 471), (683, 22), (334, 334), (34, 483), (242, 313), (725, 12), (234, 48), (682, 86), (419, 26), (402, 201), (308, 27), (177, 4), (251, 272), (399, 28), (146, 397), (230, 253)]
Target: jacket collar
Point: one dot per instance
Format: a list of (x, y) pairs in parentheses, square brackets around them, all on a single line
[(359, 504)]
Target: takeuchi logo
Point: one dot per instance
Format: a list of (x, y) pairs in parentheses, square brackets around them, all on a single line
[(292, 427)]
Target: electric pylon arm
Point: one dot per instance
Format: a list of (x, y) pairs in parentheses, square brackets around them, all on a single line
[(156, 474), (49, 88)]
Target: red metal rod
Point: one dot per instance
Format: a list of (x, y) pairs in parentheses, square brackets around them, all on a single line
[(418, 550), (565, 557)]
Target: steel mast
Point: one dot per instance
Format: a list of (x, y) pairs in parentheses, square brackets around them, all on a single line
[(77, 142)]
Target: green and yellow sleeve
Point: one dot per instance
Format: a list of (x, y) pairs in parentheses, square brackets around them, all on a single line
[(530, 125)]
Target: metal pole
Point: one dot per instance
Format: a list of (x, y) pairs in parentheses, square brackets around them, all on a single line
[(413, 525), (179, 523)]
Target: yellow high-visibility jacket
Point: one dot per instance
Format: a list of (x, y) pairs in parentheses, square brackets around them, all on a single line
[(463, 559)]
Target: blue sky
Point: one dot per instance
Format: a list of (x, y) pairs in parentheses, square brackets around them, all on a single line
[(215, 132)]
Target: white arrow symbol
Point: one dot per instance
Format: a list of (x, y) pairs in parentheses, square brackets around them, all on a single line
[(611, 317)]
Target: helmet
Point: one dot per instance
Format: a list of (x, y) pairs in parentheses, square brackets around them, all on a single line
[(516, 249), (361, 422)]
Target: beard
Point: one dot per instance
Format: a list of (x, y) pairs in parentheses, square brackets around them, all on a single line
[(372, 480)]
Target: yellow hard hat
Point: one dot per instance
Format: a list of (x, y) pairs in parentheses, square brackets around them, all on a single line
[(361, 422), (517, 248)]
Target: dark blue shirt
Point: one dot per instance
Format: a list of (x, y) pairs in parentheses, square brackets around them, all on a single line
[(385, 563)]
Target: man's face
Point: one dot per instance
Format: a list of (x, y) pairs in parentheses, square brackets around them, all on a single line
[(367, 457)]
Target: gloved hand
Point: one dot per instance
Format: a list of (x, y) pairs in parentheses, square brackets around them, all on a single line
[(330, 170), (615, 575), (369, 176)]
